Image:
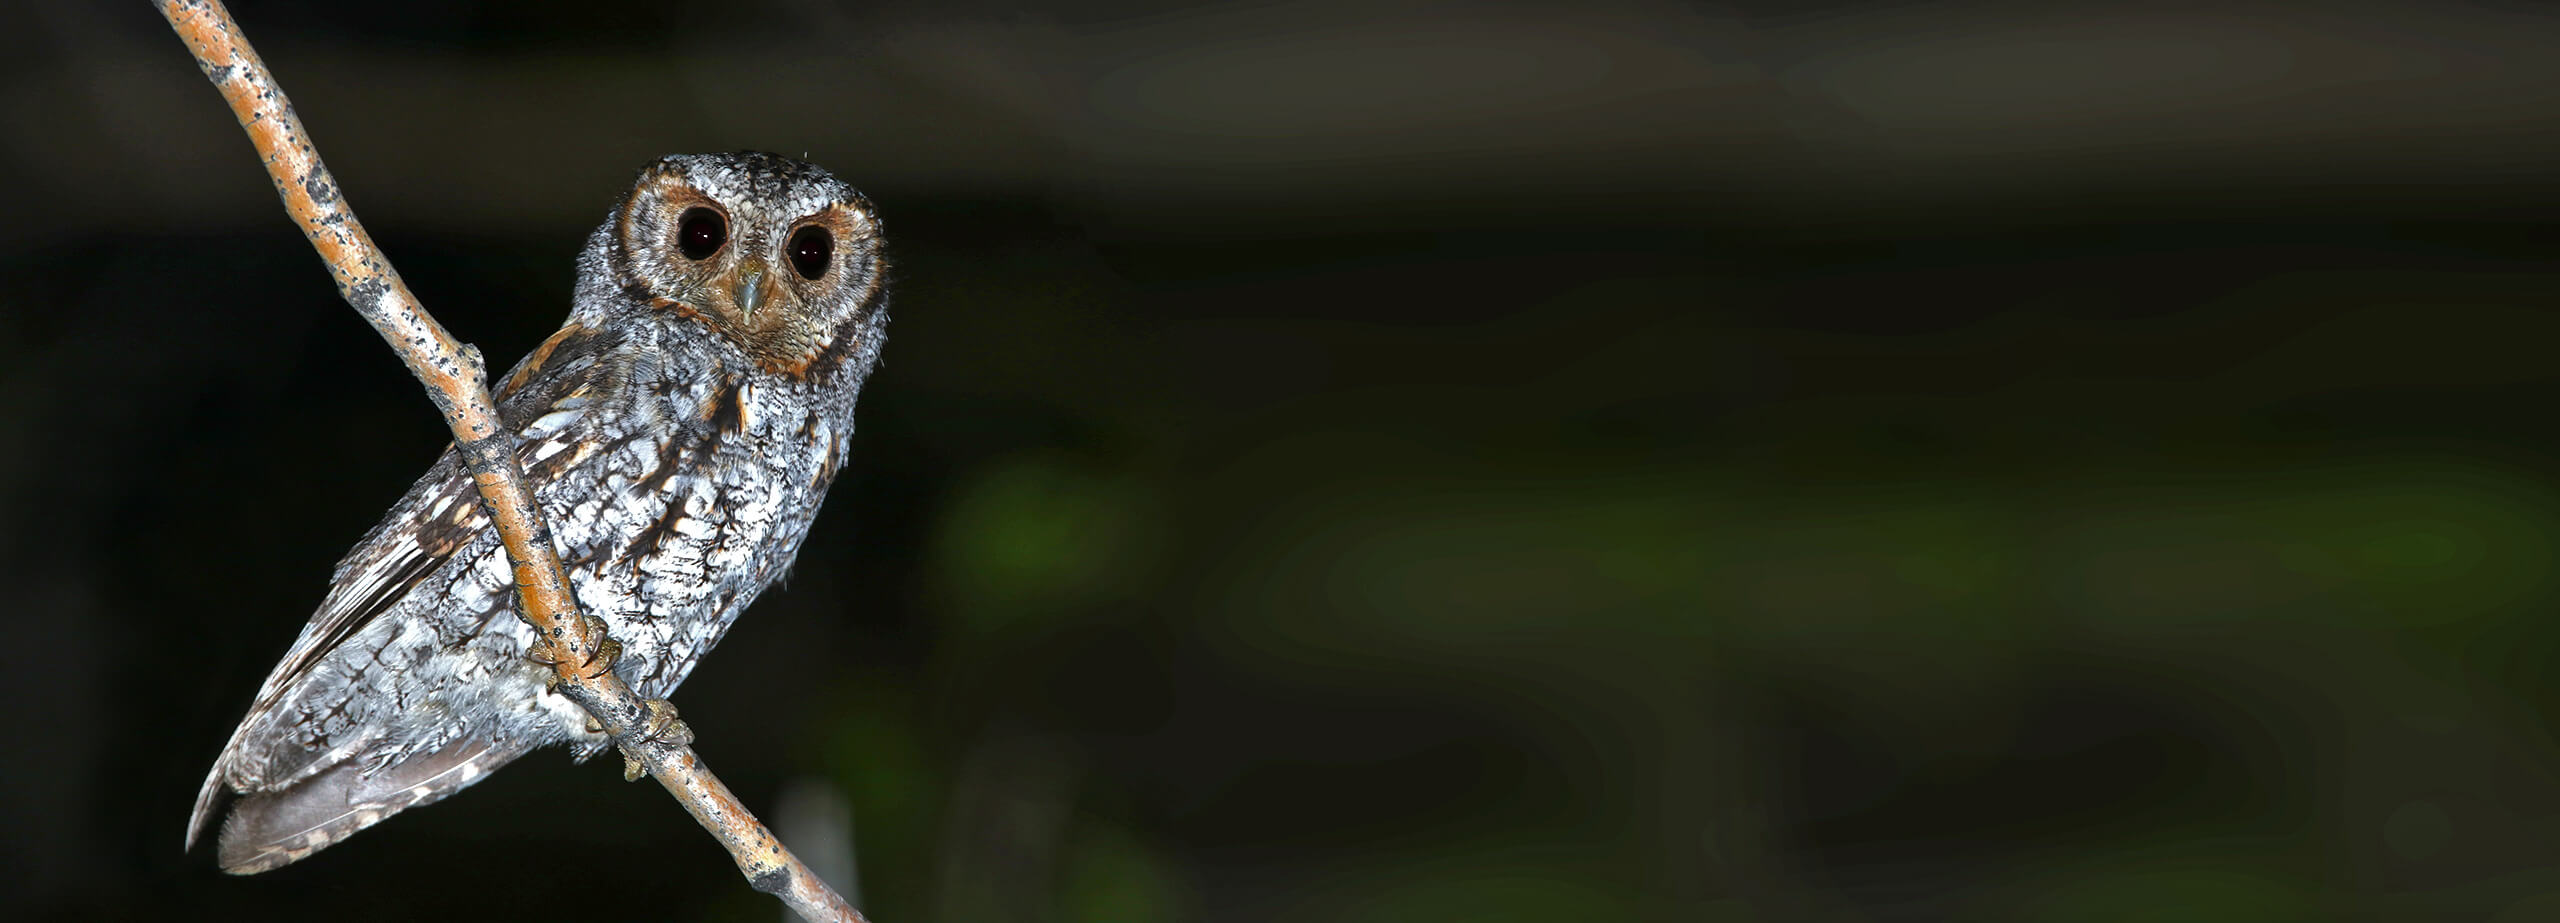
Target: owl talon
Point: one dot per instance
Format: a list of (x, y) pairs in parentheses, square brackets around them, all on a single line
[(546, 652), (602, 662), (605, 655), (663, 725)]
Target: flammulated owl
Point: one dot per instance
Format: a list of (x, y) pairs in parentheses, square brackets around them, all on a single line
[(678, 432)]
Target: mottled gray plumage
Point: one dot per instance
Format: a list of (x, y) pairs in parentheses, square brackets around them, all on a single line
[(678, 432)]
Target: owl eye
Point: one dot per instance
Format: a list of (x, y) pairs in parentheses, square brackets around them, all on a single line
[(700, 233), (810, 247)]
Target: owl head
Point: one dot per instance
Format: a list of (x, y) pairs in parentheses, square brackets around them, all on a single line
[(771, 254)]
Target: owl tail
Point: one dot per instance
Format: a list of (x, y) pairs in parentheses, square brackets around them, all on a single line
[(270, 829)]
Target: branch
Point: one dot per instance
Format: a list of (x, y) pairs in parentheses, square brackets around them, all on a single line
[(572, 643)]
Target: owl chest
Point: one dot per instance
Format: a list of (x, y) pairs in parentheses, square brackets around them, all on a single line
[(674, 528)]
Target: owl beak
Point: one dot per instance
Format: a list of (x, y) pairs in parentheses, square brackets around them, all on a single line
[(747, 288)]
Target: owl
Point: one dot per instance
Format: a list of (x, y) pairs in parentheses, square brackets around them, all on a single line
[(678, 433)]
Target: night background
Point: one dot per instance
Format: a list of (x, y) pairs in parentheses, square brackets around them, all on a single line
[(1938, 460)]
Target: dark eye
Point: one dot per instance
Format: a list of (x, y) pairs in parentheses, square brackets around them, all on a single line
[(700, 233), (810, 248)]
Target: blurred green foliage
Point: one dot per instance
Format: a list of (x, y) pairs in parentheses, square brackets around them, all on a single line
[(1032, 542)]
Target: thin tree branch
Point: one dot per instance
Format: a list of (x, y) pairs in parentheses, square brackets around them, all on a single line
[(576, 646)]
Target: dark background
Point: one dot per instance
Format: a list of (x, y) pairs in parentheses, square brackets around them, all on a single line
[(1388, 461)]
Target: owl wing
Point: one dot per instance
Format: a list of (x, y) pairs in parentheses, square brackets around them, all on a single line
[(441, 515)]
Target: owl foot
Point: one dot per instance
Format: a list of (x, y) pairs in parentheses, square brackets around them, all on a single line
[(662, 725), (546, 652), (601, 660), (608, 652)]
